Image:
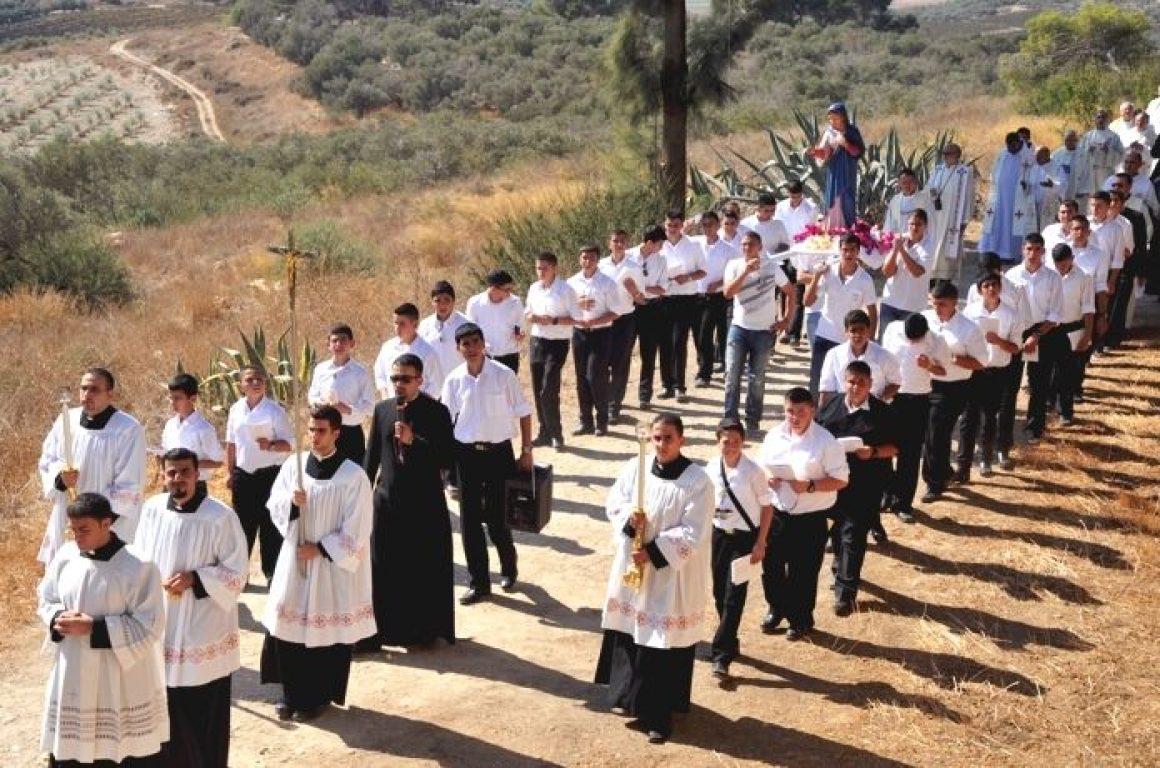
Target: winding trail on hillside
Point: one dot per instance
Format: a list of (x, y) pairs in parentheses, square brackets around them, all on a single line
[(205, 112)]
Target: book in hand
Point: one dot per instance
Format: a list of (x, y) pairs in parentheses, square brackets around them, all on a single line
[(742, 570)]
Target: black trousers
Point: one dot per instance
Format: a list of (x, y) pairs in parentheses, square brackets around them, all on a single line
[(1118, 305), (590, 351), (1012, 381), (1067, 377), (986, 395), (711, 333), (799, 312), (727, 596), (250, 494), (620, 359), (789, 573), (683, 313), (651, 683), (818, 350), (481, 501), (911, 414), (854, 515), (548, 358), (310, 677), (511, 361), (948, 400), (352, 444), (655, 334), (1039, 376), (199, 726)]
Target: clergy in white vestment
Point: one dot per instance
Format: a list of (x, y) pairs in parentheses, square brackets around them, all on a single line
[(105, 698), (346, 384), (1073, 169), (1125, 123), (104, 453), (1103, 148), (1010, 212), (952, 205), (1045, 187), (189, 429), (320, 601), (429, 347), (650, 632), (200, 550)]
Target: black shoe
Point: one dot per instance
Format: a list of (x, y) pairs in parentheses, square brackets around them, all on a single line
[(701, 383), (656, 737), (507, 583), (961, 476), (557, 443), (843, 608), (614, 416), (473, 596), (904, 515), (542, 441), (1032, 438), (752, 428), (1005, 462), (682, 396), (879, 535), (368, 645), (769, 623), (985, 469), (600, 431), (666, 394), (931, 496), (306, 715), (283, 711), (794, 634), (720, 670), (583, 429), (646, 405)]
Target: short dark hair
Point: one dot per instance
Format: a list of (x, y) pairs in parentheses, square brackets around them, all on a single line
[(920, 214), (915, 326), (547, 257), (1122, 175), (860, 368), (794, 187), (263, 374), (907, 171), (654, 233), (1034, 238), (407, 309), (730, 424), (1072, 205), (710, 216), (498, 278), (856, 317), (590, 248), (798, 395), (675, 213), (408, 360), (1101, 195), (766, 198), (751, 235), (340, 329), (184, 382), (944, 289), (991, 261), (990, 277), (466, 330), (670, 419), (327, 413), (1061, 252), (101, 373), (179, 454), (1079, 218), (851, 239), (1012, 136), (91, 505), (443, 288)]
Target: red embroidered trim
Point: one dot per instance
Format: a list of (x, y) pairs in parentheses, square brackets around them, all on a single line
[(202, 654), (655, 621), (321, 620)]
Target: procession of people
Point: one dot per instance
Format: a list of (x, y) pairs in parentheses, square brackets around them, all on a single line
[(915, 368)]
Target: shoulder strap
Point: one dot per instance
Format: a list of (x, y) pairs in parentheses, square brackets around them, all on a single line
[(733, 498)]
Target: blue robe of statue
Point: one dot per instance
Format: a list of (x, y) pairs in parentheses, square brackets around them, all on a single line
[(842, 178)]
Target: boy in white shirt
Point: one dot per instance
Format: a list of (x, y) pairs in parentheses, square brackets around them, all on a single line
[(187, 428)]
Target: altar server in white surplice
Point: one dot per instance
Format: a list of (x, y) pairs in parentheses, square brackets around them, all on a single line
[(199, 547), (650, 632), (107, 451), (952, 204), (1073, 168), (105, 698), (314, 620)]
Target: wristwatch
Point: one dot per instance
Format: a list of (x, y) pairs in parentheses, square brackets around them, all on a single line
[(811, 487)]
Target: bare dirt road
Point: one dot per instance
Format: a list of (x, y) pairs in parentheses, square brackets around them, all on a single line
[(202, 103)]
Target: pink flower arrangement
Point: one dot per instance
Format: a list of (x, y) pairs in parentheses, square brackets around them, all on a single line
[(870, 235)]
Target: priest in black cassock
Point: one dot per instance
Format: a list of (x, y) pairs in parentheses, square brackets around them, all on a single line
[(410, 445)]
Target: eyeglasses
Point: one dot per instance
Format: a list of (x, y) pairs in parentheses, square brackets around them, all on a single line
[(402, 378)]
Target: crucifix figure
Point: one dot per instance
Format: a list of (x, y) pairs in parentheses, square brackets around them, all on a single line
[(293, 255)]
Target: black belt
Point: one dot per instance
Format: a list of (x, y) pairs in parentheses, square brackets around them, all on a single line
[(486, 446), (593, 330), (1074, 325)]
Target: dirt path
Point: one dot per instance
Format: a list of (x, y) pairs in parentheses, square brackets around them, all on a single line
[(1015, 624), (201, 102)]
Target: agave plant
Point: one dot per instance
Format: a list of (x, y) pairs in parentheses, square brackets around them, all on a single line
[(221, 386), (742, 179)]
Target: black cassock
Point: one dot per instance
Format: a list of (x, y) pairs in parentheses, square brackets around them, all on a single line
[(411, 551)]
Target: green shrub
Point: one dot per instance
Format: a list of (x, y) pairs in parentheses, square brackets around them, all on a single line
[(337, 253), (81, 265)]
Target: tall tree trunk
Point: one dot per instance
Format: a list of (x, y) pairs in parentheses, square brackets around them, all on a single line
[(674, 105)]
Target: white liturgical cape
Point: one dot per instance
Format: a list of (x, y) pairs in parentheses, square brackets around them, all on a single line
[(668, 611), (332, 604), (110, 461), (201, 634), (954, 186), (105, 703)]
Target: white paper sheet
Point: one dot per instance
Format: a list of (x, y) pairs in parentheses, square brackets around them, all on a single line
[(741, 570)]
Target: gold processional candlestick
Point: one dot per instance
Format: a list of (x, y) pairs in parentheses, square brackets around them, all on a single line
[(293, 256), (66, 438), (634, 576)]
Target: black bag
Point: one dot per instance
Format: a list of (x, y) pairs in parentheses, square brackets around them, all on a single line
[(528, 499)]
